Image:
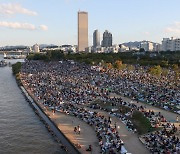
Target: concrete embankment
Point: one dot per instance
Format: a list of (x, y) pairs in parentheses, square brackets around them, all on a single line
[(51, 126)]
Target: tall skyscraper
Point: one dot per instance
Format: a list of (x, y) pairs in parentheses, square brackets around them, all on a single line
[(82, 31), (107, 39), (96, 38)]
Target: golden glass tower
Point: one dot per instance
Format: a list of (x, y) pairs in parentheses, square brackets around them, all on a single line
[(82, 31)]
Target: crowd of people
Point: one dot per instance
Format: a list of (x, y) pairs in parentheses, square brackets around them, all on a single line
[(156, 119), (57, 84), (138, 84), (163, 92), (54, 90), (163, 141), (107, 134)]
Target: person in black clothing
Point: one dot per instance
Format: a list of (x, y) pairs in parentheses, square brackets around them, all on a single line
[(89, 148)]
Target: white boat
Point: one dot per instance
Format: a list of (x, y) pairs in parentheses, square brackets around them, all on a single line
[(14, 56), (5, 56)]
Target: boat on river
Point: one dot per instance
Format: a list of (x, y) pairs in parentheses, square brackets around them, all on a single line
[(3, 63), (14, 56)]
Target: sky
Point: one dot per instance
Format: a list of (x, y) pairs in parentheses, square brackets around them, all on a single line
[(26, 22)]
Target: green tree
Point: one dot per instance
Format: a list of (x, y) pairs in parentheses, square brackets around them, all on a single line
[(156, 70), (164, 63), (175, 67), (141, 50), (130, 67), (118, 64), (109, 65), (165, 72)]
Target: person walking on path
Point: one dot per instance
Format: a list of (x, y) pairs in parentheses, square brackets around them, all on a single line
[(177, 119), (79, 129), (75, 129)]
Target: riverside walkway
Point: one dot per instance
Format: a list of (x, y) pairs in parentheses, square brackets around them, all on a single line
[(66, 124), (170, 116), (65, 130), (131, 140), (65, 142)]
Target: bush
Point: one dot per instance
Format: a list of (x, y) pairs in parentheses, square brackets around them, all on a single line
[(141, 123), (156, 70), (16, 68)]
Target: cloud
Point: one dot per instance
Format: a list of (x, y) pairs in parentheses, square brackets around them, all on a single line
[(17, 25), (146, 33), (23, 26), (174, 28), (13, 8), (43, 27)]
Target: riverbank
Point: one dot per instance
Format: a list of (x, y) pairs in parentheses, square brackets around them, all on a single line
[(63, 141), (65, 124), (59, 137), (20, 128)]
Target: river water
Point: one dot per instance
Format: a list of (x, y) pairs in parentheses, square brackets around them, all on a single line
[(21, 131)]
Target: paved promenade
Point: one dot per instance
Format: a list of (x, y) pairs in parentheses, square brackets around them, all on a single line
[(170, 116), (131, 140), (66, 124)]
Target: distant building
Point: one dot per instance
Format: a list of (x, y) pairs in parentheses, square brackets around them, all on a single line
[(35, 48), (29, 50), (123, 48), (68, 48), (134, 49), (114, 49), (96, 38), (82, 31), (99, 49), (172, 44), (107, 39), (147, 46), (64, 48), (89, 49), (156, 47)]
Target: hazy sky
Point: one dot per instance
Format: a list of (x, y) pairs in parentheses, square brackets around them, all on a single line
[(26, 22)]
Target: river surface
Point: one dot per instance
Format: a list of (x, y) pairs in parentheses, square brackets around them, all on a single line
[(21, 131)]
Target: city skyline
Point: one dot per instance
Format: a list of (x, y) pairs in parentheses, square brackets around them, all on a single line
[(27, 23)]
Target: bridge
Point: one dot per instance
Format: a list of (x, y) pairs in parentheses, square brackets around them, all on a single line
[(19, 52)]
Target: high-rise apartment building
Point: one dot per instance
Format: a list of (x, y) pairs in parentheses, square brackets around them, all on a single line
[(107, 39), (171, 44), (147, 45), (82, 31), (36, 47), (96, 38)]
